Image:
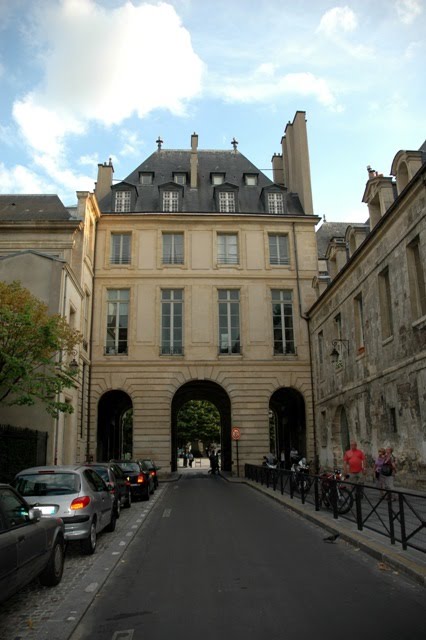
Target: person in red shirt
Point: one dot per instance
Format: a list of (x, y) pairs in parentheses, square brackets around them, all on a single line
[(354, 463)]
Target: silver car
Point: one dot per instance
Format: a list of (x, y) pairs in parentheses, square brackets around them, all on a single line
[(75, 493), (30, 546)]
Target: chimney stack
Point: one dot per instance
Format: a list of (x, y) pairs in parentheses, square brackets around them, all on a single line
[(104, 182), (278, 169), (194, 160)]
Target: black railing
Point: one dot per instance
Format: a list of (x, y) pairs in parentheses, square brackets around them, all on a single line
[(398, 515)]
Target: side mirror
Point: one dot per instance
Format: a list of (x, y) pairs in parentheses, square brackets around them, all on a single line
[(34, 514)]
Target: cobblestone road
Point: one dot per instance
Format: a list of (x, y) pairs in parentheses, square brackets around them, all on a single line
[(36, 610)]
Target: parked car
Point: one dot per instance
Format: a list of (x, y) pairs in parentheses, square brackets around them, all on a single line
[(141, 483), (116, 482), (75, 493), (30, 546), (152, 468)]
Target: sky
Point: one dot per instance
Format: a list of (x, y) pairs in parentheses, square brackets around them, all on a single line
[(82, 81)]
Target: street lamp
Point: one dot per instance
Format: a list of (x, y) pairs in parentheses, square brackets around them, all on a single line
[(336, 353)]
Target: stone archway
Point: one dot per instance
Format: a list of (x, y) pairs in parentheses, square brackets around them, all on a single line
[(214, 393), (115, 426), (288, 420)]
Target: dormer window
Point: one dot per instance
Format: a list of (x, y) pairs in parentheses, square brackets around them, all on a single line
[(179, 178), (146, 178), (217, 178), (171, 201), (250, 179), (227, 202), (122, 201), (275, 202)]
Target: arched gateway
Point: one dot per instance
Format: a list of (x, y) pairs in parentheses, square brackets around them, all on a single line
[(115, 426), (214, 393), (287, 422)]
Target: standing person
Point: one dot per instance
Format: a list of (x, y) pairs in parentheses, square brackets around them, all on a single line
[(354, 463), (190, 458), (388, 471), (378, 463), (282, 459)]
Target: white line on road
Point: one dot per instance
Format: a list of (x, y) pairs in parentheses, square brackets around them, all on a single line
[(91, 587), (123, 635), (166, 513)]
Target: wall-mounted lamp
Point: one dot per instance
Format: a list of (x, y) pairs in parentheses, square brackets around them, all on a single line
[(336, 353)]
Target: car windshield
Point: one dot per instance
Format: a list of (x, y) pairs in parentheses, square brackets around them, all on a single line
[(148, 463), (47, 484), (130, 467)]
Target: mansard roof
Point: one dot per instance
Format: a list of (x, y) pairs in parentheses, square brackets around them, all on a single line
[(164, 163), (31, 207), (329, 231)]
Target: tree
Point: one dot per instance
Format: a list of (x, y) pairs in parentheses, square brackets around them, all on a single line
[(198, 420), (35, 351)]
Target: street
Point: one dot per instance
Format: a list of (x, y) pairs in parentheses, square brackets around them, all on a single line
[(220, 559)]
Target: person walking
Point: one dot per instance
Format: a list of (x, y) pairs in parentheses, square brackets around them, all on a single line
[(190, 458), (354, 463), (378, 463), (388, 471)]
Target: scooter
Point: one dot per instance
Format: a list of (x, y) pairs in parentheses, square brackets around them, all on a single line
[(332, 490)]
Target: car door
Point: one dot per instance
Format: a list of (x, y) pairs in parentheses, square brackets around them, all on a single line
[(102, 498), (30, 540), (8, 556)]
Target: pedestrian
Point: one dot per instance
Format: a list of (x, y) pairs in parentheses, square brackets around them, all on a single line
[(190, 458), (354, 463), (388, 471), (378, 463), (282, 459)]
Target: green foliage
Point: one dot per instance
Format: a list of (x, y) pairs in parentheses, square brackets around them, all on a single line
[(198, 420), (35, 350)]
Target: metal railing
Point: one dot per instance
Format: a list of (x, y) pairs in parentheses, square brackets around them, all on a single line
[(398, 515)]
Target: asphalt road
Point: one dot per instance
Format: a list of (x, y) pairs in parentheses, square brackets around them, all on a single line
[(220, 560)]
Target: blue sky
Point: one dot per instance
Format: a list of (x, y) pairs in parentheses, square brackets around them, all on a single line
[(85, 80)]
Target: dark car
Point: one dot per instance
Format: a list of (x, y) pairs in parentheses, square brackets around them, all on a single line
[(117, 482), (152, 469), (141, 483), (30, 546)]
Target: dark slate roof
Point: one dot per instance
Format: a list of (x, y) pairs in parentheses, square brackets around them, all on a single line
[(330, 230), (164, 163), (32, 207)]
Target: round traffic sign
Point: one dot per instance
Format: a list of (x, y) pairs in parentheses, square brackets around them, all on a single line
[(235, 433)]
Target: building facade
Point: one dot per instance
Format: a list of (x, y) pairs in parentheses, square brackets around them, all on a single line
[(368, 325), (203, 275)]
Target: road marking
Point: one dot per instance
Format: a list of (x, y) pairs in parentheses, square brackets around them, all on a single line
[(122, 543), (129, 533), (166, 513), (123, 635), (91, 587), (115, 553)]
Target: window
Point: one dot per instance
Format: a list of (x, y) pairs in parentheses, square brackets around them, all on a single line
[(282, 322), (338, 341), (359, 322), (171, 201), (218, 178), (385, 302), (145, 178), (172, 248), (117, 321), (229, 321), (179, 178), (227, 202), (120, 248), (122, 201), (171, 322), (278, 249), (250, 179), (393, 420), (416, 279), (275, 203), (227, 248), (320, 352)]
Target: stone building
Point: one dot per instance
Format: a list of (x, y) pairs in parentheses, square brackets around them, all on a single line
[(203, 275), (368, 324), (49, 248)]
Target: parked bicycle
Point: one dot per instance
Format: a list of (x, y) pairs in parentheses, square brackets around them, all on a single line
[(333, 492)]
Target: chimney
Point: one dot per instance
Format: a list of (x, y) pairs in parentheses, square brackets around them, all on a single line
[(194, 160), (297, 171), (104, 181), (277, 169)]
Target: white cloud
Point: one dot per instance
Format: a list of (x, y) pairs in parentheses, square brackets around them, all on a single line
[(20, 179), (408, 10), (337, 20), (90, 159), (104, 65), (269, 88), (132, 145)]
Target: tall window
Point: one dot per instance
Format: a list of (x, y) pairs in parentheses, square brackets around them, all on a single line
[(117, 321), (120, 248), (282, 321), (171, 201), (227, 248), (172, 321), (321, 352), (278, 249), (359, 321), (122, 201), (229, 321), (226, 202), (385, 302), (416, 278), (172, 248), (275, 203)]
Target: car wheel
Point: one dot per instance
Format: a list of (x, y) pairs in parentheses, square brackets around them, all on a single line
[(88, 545), (52, 573), (128, 502), (111, 527)]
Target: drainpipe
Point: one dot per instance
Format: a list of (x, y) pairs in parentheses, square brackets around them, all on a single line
[(306, 318), (89, 383), (56, 430)]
